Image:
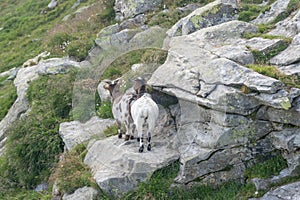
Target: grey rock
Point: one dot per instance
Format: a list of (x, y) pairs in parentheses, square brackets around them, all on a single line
[(211, 14), (262, 45), (289, 27), (282, 116), (137, 21), (290, 55), (293, 69), (103, 93), (75, 132), (130, 8), (277, 8), (56, 66), (290, 191), (260, 184), (52, 4), (124, 167), (85, 193)]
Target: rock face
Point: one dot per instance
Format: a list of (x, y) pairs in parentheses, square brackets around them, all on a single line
[(223, 104), (131, 8), (215, 13), (75, 132)]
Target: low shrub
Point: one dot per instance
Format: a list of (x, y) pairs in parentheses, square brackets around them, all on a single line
[(104, 111), (8, 95)]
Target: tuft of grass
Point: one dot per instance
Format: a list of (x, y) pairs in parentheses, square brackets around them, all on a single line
[(264, 58), (104, 111), (8, 95), (123, 64), (158, 185), (71, 173), (292, 6), (266, 168), (111, 130), (272, 71)]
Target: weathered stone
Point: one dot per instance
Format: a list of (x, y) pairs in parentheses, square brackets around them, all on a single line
[(290, 55), (277, 8), (236, 53), (289, 27), (262, 45), (290, 116), (290, 69), (103, 93), (290, 191), (85, 193), (124, 167), (212, 14), (56, 66), (137, 21), (52, 4), (75, 132), (130, 8)]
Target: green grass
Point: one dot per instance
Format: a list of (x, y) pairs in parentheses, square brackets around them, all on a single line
[(71, 173), (33, 142), (272, 71), (28, 28), (111, 130), (8, 95), (266, 168), (123, 64), (104, 111)]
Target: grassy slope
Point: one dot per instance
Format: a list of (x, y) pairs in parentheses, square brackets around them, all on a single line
[(28, 28)]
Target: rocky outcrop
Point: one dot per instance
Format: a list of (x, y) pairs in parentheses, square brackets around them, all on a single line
[(215, 13), (75, 132), (23, 77), (277, 8), (223, 104), (130, 8)]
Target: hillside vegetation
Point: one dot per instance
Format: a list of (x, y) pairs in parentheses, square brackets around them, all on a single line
[(27, 28)]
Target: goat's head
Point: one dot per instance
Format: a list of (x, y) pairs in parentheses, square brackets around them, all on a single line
[(139, 85), (110, 85)]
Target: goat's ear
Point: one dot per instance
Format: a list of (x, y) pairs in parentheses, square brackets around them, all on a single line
[(116, 81), (106, 86)]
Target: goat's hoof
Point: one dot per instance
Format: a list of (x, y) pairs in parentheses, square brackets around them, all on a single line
[(149, 147), (131, 137), (138, 139), (127, 137), (141, 149), (120, 136)]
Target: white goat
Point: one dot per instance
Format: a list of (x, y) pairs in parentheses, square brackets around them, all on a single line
[(144, 112), (141, 113)]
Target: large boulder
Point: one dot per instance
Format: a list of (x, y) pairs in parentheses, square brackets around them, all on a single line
[(224, 106), (214, 13), (130, 8), (76, 132), (85, 193)]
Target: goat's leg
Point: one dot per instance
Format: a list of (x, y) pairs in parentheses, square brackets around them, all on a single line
[(140, 137), (149, 141), (127, 134), (119, 129)]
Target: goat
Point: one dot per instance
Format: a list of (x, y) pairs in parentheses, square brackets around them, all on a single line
[(121, 108), (140, 113), (144, 112)]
